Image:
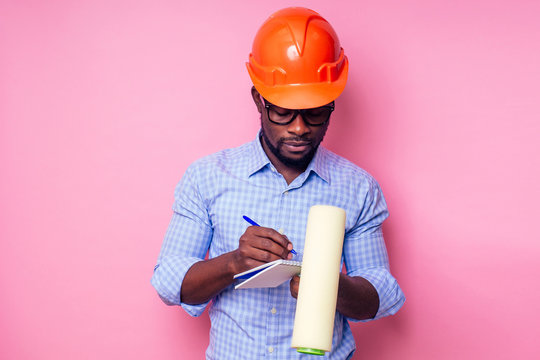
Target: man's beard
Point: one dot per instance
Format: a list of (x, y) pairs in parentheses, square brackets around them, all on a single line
[(300, 164)]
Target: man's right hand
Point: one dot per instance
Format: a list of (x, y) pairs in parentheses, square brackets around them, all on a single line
[(259, 245)]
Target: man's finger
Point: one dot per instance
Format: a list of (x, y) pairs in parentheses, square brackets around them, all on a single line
[(273, 235), (294, 284)]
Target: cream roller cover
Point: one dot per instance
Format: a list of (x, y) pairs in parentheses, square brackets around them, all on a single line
[(317, 294)]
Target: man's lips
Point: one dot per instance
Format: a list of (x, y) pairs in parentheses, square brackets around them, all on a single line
[(296, 146)]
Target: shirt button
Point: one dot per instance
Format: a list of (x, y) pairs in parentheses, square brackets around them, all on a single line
[(273, 311), (286, 192), (281, 231), (270, 349)]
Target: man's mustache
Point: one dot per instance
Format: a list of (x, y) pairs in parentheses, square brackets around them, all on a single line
[(295, 139)]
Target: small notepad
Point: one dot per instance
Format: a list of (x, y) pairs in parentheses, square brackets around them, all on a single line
[(271, 274)]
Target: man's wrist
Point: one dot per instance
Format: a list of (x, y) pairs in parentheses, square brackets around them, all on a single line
[(231, 263)]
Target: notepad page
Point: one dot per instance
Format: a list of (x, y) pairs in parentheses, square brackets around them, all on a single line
[(251, 272), (273, 275)]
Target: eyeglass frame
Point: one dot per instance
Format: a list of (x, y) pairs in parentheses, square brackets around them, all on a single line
[(267, 105)]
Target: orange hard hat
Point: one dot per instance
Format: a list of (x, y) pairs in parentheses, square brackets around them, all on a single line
[(296, 61)]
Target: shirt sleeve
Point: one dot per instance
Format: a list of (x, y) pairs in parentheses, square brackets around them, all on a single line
[(365, 252), (186, 242)]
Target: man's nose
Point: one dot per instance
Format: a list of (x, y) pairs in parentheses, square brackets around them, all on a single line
[(298, 126)]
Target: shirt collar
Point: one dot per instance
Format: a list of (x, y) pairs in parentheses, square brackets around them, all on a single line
[(319, 164), (258, 160)]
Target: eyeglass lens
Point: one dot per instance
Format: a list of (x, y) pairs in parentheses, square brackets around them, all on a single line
[(316, 116)]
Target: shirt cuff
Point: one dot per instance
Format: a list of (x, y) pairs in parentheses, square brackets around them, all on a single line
[(391, 298), (167, 279)]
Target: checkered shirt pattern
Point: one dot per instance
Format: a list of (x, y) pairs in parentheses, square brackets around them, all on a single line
[(209, 203)]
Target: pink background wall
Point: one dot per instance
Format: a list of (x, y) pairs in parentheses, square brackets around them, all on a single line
[(103, 104)]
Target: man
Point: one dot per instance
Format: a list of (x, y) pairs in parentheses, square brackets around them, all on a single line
[(298, 69)]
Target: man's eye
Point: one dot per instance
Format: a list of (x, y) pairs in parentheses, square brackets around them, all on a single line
[(282, 112), (316, 112)]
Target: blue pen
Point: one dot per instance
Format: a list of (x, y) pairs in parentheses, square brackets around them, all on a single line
[(255, 224)]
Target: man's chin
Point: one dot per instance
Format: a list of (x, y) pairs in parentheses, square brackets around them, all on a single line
[(296, 159)]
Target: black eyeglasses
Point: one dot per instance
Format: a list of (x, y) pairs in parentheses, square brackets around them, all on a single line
[(313, 117)]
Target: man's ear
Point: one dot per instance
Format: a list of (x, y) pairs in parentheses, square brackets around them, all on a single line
[(257, 99)]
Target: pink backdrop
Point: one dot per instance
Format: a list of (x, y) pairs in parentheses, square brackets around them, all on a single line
[(103, 104)]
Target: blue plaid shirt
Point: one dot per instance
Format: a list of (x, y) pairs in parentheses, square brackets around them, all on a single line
[(209, 203)]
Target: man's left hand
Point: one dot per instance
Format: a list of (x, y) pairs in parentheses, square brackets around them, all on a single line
[(295, 282)]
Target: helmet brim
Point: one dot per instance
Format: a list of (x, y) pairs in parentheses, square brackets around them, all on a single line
[(302, 96)]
